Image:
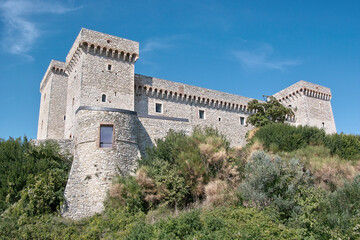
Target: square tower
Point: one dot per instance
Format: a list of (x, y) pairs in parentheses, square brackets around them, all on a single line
[(100, 69)]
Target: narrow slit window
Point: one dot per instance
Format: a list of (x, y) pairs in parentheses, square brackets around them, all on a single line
[(109, 67), (219, 119), (106, 136), (242, 120), (158, 107), (103, 98), (201, 114)]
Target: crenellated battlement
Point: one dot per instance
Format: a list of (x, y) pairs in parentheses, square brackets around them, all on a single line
[(55, 67), (303, 88), (166, 94), (103, 45)]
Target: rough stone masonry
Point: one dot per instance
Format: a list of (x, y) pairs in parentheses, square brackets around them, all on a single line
[(108, 114)]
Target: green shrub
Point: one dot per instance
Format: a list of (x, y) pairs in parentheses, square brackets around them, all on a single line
[(273, 182), (283, 137), (346, 146), (126, 193), (342, 210), (176, 171), (218, 223), (26, 168)]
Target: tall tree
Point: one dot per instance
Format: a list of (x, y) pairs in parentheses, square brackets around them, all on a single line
[(271, 111)]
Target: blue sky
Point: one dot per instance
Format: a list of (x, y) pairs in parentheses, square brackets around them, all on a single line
[(249, 48)]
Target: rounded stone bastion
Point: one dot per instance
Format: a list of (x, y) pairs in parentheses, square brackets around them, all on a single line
[(105, 144)]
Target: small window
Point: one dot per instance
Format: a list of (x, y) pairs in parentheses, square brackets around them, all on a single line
[(106, 136), (73, 101), (64, 118), (109, 67), (103, 98), (219, 119), (323, 124), (158, 107), (242, 120), (201, 114)]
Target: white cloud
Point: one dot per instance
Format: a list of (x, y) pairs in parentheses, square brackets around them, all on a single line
[(262, 58), (21, 31), (154, 44)]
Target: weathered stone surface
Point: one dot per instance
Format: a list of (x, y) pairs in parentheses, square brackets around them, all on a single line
[(97, 85)]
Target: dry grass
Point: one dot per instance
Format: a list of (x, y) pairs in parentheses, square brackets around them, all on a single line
[(216, 193), (251, 133), (256, 146), (330, 172), (116, 190)]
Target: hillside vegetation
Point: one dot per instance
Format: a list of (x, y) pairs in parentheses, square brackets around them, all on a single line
[(287, 183)]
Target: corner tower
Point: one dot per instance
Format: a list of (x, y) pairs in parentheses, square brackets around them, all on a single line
[(311, 105), (100, 118), (52, 114)]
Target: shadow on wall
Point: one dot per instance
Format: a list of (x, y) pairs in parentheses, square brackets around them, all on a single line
[(143, 138)]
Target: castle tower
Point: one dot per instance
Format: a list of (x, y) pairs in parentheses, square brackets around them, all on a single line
[(100, 118), (311, 105), (53, 90)]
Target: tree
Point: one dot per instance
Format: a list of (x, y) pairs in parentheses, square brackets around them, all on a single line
[(271, 111)]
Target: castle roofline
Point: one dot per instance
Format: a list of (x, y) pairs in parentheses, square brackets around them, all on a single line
[(96, 39), (190, 90), (302, 87), (54, 67)]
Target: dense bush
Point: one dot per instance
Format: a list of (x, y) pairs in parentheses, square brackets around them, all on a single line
[(35, 174), (342, 211), (283, 137), (346, 146), (273, 182), (180, 167)]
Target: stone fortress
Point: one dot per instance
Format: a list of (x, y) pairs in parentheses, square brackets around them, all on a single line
[(95, 103)]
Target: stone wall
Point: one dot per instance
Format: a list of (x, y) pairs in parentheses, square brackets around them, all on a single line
[(117, 84), (221, 110)]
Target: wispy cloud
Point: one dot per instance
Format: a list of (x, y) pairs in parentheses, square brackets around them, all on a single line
[(262, 57), (155, 44), (21, 31)]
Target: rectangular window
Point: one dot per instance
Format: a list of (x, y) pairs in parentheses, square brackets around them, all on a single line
[(106, 136), (201, 114), (158, 107), (242, 120), (109, 67)]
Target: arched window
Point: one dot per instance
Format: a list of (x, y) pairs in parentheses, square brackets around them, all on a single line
[(103, 98)]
